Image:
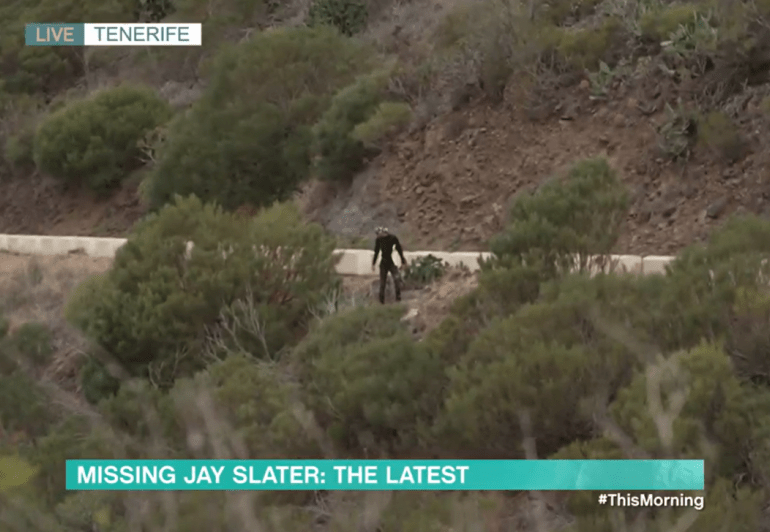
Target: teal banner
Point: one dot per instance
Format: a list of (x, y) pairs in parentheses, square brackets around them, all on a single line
[(54, 34), (386, 475)]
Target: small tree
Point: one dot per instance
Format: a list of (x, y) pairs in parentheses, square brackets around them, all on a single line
[(340, 154), (248, 140), (95, 140), (154, 309), (566, 222), (370, 385)]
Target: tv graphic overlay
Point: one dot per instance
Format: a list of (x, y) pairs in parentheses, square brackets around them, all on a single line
[(160, 34), (386, 475)]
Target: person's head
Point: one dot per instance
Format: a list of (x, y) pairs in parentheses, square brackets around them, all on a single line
[(381, 231)]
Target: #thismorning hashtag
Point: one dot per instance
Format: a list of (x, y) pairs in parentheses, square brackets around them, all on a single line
[(649, 500)]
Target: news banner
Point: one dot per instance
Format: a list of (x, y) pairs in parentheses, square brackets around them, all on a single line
[(616, 477), (87, 34)]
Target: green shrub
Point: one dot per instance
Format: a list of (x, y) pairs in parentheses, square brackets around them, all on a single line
[(248, 141), (560, 11), (259, 400), (152, 10), (24, 406), (370, 385), (550, 359), (143, 415), (348, 16), (96, 381), (231, 158), (676, 135), (95, 140), (500, 293), (44, 69), (34, 342), (424, 271), (689, 405), (339, 153), (718, 133), (578, 215), (75, 437), (19, 149), (155, 308), (387, 119), (583, 48), (660, 24), (461, 24)]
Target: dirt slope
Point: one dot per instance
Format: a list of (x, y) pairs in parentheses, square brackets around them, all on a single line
[(450, 185), (42, 206)]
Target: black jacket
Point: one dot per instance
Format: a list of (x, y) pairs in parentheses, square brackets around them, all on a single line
[(385, 244)]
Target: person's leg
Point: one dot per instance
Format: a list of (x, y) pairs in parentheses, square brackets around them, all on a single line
[(383, 282), (396, 281)]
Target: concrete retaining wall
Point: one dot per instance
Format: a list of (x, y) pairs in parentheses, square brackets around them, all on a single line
[(352, 262)]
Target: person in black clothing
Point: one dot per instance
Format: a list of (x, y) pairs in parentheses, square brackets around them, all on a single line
[(385, 243)]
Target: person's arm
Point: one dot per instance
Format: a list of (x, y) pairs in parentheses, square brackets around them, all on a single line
[(377, 244), (400, 251)]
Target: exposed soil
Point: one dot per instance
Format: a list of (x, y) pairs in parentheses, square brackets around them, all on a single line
[(450, 185), (35, 289), (39, 205)]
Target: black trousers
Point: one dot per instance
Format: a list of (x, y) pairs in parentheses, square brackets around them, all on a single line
[(391, 269)]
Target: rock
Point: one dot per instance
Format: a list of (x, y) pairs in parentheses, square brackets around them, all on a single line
[(716, 209), (668, 210), (410, 315)]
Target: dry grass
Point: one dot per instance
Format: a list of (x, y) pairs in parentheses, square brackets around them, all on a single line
[(34, 289)]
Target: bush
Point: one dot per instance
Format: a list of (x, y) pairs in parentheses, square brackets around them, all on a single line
[(583, 48), (248, 140), (35, 69), (580, 215), (348, 16), (551, 359), (370, 385), (718, 133), (143, 415), (424, 271), (695, 408), (231, 158), (258, 399), (561, 11), (33, 341), (659, 24), (96, 381), (95, 140), (339, 153), (677, 133), (19, 149), (24, 407), (387, 119), (152, 310)]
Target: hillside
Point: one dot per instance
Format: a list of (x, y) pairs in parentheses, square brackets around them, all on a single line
[(447, 182), (552, 134)]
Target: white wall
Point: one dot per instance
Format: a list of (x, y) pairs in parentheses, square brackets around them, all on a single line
[(352, 262)]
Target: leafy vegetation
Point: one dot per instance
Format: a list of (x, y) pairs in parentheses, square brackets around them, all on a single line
[(248, 140), (249, 284), (206, 338), (585, 362), (95, 141), (348, 16)]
